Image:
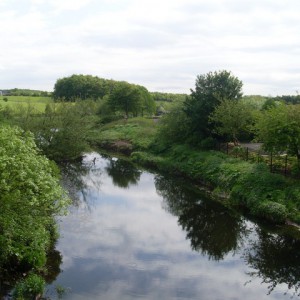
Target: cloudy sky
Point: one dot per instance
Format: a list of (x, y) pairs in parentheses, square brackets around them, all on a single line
[(161, 44)]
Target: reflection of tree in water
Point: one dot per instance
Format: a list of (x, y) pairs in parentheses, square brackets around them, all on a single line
[(77, 178), (276, 259), (123, 173), (212, 230)]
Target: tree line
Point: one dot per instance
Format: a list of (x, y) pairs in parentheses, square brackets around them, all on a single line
[(24, 92), (119, 97)]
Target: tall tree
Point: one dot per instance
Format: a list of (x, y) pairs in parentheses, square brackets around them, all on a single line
[(210, 90)]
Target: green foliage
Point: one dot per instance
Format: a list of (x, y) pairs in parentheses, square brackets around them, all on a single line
[(62, 131), (26, 92), (168, 97), (210, 89), (269, 103), (81, 87), (131, 99), (272, 211), (255, 101), (289, 99), (122, 96), (139, 132), (30, 196), (252, 186), (232, 118), (165, 102), (279, 129), (173, 127), (29, 288)]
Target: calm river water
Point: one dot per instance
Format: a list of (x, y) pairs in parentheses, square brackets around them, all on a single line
[(132, 234)]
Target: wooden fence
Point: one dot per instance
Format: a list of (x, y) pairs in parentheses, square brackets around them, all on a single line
[(278, 163)]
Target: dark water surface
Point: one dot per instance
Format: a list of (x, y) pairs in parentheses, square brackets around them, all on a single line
[(135, 235)]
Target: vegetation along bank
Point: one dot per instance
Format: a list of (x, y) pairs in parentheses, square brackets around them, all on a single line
[(174, 133)]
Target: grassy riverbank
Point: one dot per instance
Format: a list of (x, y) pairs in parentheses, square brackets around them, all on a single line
[(236, 183)]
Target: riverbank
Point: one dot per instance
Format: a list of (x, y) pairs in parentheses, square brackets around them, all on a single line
[(235, 183)]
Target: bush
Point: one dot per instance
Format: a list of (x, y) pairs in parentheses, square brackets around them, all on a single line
[(271, 211), (30, 197), (29, 288)]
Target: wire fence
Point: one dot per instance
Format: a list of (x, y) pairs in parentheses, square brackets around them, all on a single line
[(277, 162)]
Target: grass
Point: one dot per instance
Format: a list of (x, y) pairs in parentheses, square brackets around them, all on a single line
[(139, 132), (247, 185), (39, 103)]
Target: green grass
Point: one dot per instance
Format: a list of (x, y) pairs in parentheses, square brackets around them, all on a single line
[(265, 195), (139, 132), (39, 103)]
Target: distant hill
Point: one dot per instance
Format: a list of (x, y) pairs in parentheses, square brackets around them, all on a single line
[(24, 92)]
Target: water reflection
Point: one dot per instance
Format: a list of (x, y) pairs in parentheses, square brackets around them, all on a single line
[(212, 229), (79, 178), (275, 259), (127, 247), (123, 173)]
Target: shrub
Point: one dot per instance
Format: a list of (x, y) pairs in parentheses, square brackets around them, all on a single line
[(29, 288), (271, 211)]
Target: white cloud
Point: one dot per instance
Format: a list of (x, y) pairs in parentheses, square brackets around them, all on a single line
[(160, 44)]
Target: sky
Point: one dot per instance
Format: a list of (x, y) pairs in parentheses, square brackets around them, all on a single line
[(160, 44)]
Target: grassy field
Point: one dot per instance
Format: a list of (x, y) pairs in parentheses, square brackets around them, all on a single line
[(39, 103)]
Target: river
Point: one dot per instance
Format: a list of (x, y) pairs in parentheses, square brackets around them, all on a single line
[(133, 234)]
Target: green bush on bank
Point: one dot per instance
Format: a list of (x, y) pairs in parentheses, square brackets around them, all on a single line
[(30, 197), (251, 186), (29, 288)]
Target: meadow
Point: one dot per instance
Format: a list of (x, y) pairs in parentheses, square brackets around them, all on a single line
[(39, 103)]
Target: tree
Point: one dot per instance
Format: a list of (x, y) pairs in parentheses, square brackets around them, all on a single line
[(148, 103), (210, 90), (62, 132), (130, 99), (80, 87), (279, 129), (232, 118), (173, 126)]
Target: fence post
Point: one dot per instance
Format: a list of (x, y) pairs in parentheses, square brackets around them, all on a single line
[(271, 162), (247, 153), (285, 164), (227, 148)]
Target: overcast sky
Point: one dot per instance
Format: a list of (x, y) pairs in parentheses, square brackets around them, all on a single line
[(161, 44)]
